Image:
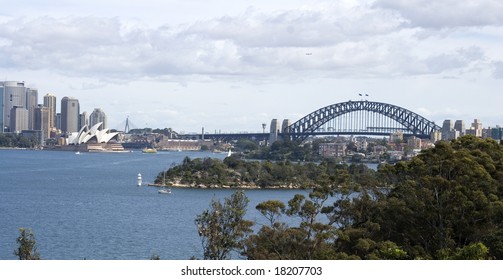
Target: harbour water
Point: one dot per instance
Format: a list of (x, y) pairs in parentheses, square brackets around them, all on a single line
[(87, 206)]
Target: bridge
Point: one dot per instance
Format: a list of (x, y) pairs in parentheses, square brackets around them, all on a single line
[(346, 118)]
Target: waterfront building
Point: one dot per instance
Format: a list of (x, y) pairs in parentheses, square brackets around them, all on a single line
[(31, 104), (18, 119), (332, 150), (13, 95), (50, 103), (99, 116), (43, 121), (70, 112)]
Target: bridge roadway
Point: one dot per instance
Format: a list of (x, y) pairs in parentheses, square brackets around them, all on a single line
[(265, 136)]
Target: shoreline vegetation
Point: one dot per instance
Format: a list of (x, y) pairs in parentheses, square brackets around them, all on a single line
[(444, 204), (235, 173)]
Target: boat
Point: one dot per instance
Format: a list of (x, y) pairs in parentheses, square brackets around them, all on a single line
[(77, 153), (149, 151), (139, 180), (164, 191), (229, 153)]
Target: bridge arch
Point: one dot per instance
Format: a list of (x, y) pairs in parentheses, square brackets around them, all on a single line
[(410, 122)]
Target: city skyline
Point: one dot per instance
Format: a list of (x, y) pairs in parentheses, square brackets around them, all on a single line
[(233, 66)]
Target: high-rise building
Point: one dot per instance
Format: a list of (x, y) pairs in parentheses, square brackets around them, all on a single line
[(477, 127), (97, 116), (70, 113), (18, 119), (459, 126), (83, 120), (42, 121), (31, 104), (13, 95), (447, 127), (58, 121), (50, 103)]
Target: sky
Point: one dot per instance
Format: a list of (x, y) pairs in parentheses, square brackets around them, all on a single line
[(229, 66)]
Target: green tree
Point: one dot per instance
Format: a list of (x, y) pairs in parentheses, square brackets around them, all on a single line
[(222, 228), (27, 249)]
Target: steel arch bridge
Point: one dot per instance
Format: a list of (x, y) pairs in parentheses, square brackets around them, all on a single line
[(361, 118)]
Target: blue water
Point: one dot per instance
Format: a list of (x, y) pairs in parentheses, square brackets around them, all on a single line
[(88, 206)]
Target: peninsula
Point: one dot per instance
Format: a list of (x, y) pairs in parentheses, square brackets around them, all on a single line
[(235, 173)]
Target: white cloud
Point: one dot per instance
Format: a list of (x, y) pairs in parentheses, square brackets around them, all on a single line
[(446, 13)]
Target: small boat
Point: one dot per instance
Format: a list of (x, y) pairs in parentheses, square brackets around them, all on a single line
[(77, 153), (139, 180), (229, 153), (149, 151), (164, 191)]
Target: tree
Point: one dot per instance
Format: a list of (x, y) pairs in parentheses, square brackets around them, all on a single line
[(222, 228), (27, 246)]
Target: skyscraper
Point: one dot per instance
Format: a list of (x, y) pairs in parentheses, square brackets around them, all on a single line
[(70, 112), (42, 121), (97, 116), (459, 125), (83, 120), (18, 119), (50, 103), (13, 95), (31, 104)]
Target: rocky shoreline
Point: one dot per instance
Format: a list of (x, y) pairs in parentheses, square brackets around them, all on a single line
[(214, 186)]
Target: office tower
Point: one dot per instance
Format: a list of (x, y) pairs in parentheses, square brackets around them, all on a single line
[(42, 121), (83, 120), (58, 121), (13, 95), (70, 112), (447, 127), (459, 125), (50, 103), (18, 119), (477, 127), (97, 116), (31, 104)]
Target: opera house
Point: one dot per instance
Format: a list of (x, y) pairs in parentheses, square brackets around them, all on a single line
[(94, 139)]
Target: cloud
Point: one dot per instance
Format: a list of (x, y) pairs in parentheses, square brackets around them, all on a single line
[(446, 13), (498, 70), (377, 40)]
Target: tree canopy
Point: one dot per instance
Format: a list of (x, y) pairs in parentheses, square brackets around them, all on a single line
[(446, 203)]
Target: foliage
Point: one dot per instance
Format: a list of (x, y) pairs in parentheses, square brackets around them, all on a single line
[(445, 203), (27, 249), (235, 172), (287, 150), (16, 141), (222, 228)]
